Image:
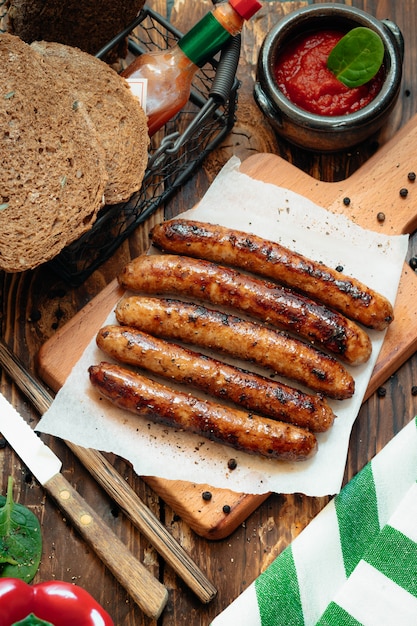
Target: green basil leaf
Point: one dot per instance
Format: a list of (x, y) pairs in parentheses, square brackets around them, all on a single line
[(20, 539), (357, 57), (32, 620)]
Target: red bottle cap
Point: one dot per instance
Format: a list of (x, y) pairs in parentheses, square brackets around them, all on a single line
[(246, 8)]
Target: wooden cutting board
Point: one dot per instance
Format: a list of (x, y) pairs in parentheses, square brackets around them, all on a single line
[(373, 189)]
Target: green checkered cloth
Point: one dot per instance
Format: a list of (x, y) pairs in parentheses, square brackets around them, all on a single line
[(355, 564)]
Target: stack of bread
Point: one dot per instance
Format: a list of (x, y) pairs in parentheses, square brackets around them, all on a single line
[(74, 138)]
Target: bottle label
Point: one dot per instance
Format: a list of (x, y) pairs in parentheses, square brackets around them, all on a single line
[(204, 40), (139, 88)]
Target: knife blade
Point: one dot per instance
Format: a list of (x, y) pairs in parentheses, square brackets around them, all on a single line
[(150, 595), (42, 462)]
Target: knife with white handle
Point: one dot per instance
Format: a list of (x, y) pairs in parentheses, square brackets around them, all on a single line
[(150, 595)]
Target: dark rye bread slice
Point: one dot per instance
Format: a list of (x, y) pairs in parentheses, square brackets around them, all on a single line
[(53, 174), (88, 25), (116, 113)]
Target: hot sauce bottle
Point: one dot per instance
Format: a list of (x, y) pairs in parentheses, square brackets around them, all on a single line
[(169, 72)]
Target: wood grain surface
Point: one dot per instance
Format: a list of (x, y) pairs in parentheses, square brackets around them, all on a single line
[(35, 305)]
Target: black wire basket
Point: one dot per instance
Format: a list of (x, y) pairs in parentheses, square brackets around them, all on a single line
[(175, 152)]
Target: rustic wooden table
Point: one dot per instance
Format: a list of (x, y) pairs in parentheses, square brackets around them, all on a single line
[(36, 304)]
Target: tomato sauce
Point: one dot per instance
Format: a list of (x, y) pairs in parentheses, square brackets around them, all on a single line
[(302, 75)]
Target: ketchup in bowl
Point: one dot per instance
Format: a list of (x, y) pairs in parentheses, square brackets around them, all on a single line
[(302, 75)]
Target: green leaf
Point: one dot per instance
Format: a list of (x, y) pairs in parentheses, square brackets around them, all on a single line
[(357, 57), (20, 539)]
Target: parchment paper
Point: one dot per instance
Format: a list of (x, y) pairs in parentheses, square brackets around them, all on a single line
[(236, 200)]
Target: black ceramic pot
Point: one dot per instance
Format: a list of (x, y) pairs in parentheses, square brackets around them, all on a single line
[(323, 133)]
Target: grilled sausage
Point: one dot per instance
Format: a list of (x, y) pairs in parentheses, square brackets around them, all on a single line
[(242, 339), (245, 389), (250, 433), (269, 302), (272, 260)]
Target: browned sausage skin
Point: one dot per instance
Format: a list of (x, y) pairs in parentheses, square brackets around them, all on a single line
[(269, 302), (243, 431), (272, 349), (272, 260), (246, 389)]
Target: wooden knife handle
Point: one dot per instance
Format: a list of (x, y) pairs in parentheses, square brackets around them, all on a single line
[(165, 544), (150, 595)]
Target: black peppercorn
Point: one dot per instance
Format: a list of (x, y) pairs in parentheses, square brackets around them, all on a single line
[(226, 509), (404, 192), (232, 464), (35, 316), (411, 176), (414, 390), (339, 268), (115, 511), (381, 392), (346, 201), (207, 495), (413, 263), (381, 217)]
